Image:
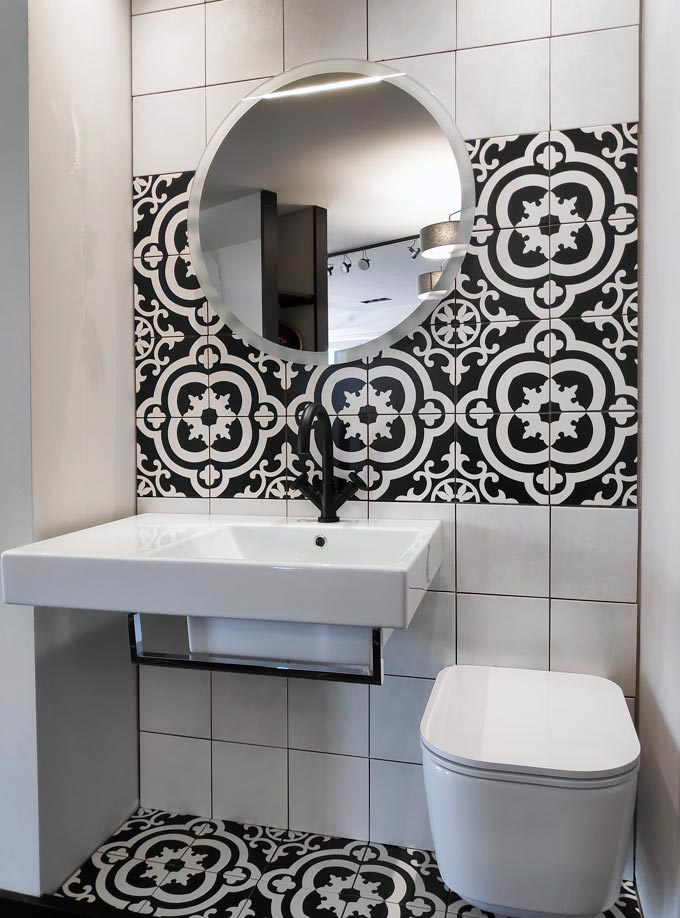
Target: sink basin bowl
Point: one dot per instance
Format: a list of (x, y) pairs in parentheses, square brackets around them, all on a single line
[(263, 568)]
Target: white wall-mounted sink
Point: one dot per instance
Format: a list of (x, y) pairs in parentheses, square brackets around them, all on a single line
[(259, 568)]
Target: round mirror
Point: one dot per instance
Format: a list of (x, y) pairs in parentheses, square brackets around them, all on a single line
[(331, 211)]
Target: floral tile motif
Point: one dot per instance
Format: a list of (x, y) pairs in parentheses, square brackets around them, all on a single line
[(312, 878), (173, 456), (504, 367), (160, 204), (406, 877), (243, 380), (415, 376), (412, 457), (593, 174), (503, 458), (172, 377), (114, 880), (248, 456), (212, 868), (511, 180), (341, 389), (594, 365), (168, 299), (188, 890), (505, 275), (594, 270), (593, 458)]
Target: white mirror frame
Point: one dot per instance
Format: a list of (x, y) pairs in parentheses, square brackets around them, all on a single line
[(421, 311)]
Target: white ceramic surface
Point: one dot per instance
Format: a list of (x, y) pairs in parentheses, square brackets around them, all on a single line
[(264, 568)]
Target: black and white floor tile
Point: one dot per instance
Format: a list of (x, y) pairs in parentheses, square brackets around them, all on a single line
[(164, 864), (521, 387)]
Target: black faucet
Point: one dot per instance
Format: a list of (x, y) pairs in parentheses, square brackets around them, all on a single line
[(327, 499)]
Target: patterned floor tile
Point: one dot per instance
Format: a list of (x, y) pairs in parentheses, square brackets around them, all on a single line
[(187, 890), (229, 847), (406, 877), (113, 879)]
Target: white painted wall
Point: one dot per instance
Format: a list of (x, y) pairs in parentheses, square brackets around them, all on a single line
[(658, 849), (18, 774), (68, 724)]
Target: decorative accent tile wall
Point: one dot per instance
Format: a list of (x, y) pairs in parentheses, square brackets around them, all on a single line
[(521, 388)]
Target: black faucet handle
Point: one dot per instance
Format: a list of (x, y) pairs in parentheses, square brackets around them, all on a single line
[(303, 485), (350, 489)]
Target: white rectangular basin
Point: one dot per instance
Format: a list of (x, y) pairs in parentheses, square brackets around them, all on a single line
[(264, 568)]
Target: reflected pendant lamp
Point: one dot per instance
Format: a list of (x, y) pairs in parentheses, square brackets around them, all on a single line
[(426, 284), (437, 241)]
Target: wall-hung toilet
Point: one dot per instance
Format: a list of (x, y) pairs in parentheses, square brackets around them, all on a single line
[(530, 780)]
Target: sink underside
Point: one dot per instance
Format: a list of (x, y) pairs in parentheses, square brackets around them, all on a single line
[(263, 568)]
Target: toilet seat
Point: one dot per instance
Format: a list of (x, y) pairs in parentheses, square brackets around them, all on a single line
[(563, 729)]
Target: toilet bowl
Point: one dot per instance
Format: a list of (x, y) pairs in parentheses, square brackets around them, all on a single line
[(530, 780)]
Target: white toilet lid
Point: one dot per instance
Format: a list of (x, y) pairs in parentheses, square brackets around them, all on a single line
[(527, 721)]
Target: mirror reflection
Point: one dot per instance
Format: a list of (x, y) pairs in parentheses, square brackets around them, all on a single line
[(330, 211)]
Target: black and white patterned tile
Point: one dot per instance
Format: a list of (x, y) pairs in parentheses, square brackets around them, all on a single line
[(593, 458), (503, 458), (168, 299), (505, 275), (444, 413), (159, 206), (351, 435), (160, 863), (173, 456), (512, 180), (593, 174), (594, 270)]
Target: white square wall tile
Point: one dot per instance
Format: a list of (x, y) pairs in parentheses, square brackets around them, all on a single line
[(503, 549), (319, 29), (250, 784), (445, 579), (586, 15), (168, 50), (594, 78), (492, 22), (220, 101), (247, 506), (397, 707), (154, 6), (174, 701), (503, 89), (301, 509), (503, 631), (401, 28), (436, 72), (594, 553), (168, 131), (328, 717), (174, 773), (429, 642), (173, 505), (328, 794), (244, 40), (398, 805), (595, 637), (249, 708)]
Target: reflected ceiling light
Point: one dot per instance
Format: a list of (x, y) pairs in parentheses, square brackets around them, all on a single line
[(346, 265), (427, 283), (324, 87), (438, 240), (364, 262), (414, 250)]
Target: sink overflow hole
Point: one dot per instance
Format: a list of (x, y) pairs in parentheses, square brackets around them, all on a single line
[(320, 541)]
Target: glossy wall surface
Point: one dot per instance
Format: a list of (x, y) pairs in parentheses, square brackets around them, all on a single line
[(511, 414)]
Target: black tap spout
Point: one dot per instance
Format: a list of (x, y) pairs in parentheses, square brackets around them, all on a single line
[(312, 414)]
